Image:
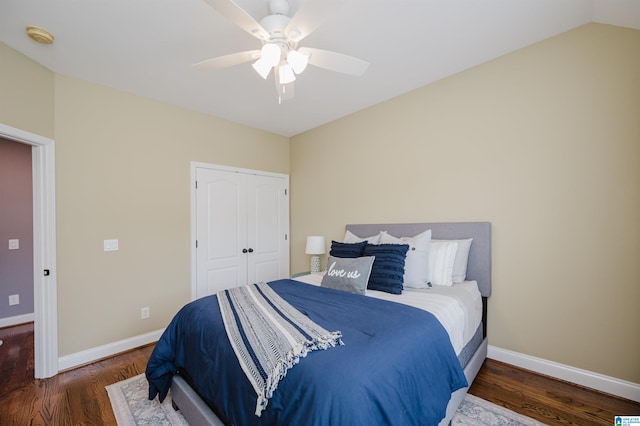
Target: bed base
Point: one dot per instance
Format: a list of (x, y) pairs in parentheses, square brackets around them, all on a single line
[(198, 413), (193, 408)]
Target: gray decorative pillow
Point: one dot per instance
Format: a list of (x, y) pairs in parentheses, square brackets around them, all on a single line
[(348, 274)]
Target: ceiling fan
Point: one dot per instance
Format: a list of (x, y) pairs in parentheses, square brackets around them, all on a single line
[(280, 35)]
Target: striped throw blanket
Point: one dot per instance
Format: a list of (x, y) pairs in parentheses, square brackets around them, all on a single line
[(269, 336)]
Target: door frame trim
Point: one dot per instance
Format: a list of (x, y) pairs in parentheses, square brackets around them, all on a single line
[(44, 249), (194, 166)]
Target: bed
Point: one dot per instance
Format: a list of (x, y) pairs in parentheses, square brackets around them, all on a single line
[(211, 393)]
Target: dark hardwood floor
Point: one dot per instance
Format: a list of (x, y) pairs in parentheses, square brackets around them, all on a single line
[(548, 400), (78, 396), (74, 397)]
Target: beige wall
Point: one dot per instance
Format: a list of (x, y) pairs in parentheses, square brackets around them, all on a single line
[(26, 93), (123, 171), (545, 144)]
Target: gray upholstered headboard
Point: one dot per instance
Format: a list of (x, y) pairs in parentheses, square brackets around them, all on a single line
[(479, 266)]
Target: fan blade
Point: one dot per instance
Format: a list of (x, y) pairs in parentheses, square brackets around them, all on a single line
[(310, 16), (334, 61), (230, 10), (227, 60)]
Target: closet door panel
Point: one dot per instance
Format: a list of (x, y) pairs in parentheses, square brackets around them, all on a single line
[(221, 230), (267, 230)]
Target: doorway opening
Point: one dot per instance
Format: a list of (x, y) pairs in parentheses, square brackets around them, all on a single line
[(44, 249)]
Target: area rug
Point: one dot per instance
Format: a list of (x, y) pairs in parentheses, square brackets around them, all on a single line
[(131, 406)]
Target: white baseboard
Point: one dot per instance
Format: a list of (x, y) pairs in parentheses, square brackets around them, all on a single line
[(18, 319), (90, 355), (575, 375)]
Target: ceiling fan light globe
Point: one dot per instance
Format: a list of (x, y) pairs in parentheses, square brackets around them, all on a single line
[(262, 67), (271, 52), (298, 61), (286, 74)]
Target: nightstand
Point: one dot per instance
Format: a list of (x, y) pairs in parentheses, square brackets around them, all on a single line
[(299, 274)]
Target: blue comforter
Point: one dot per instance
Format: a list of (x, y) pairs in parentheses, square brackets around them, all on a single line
[(396, 367)]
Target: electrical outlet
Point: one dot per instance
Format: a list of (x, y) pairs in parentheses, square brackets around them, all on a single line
[(14, 299), (144, 313)]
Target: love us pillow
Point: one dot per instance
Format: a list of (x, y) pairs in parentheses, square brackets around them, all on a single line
[(348, 274)]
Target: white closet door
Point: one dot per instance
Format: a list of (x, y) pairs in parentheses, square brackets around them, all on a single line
[(242, 226), (221, 209), (268, 224)]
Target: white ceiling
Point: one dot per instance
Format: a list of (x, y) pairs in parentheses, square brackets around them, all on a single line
[(147, 47)]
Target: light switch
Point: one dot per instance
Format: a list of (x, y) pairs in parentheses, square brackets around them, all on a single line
[(14, 244), (110, 245)]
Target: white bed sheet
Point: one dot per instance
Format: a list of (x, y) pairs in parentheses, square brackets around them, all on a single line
[(458, 308)]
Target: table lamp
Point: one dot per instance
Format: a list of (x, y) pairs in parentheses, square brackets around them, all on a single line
[(315, 247)]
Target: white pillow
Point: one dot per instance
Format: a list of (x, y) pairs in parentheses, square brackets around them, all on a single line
[(442, 255), (350, 237), (462, 258), (416, 265)]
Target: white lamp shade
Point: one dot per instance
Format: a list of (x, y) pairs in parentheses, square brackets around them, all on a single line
[(262, 67), (271, 53), (269, 57), (315, 245), (286, 74), (297, 60)]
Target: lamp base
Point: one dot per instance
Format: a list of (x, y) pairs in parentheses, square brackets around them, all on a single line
[(315, 264)]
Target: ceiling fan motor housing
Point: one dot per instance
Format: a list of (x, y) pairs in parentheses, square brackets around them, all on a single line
[(279, 7), (275, 26)]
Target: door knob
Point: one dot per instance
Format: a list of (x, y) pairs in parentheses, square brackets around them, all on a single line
[(250, 250), (244, 250)]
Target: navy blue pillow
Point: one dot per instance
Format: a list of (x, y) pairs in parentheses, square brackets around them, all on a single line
[(349, 250), (387, 273)]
